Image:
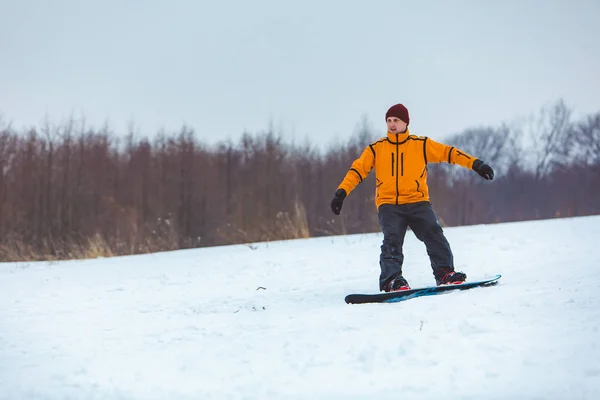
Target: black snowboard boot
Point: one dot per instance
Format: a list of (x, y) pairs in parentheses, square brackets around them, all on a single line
[(396, 284), (451, 278)]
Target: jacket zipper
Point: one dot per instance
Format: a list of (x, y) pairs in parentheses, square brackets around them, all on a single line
[(392, 164), (397, 189)]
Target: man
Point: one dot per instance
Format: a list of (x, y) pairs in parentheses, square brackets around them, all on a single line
[(402, 197)]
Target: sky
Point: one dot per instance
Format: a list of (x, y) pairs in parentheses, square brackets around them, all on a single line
[(312, 70)]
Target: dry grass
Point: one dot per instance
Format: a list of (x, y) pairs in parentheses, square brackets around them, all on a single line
[(286, 226), (96, 247), (17, 250), (160, 237), (293, 226)]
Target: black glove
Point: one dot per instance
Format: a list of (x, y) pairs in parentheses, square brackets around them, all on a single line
[(484, 170), (338, 200)]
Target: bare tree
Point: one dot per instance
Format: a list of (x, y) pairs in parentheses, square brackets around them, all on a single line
[(495, 146), (584, 142), (548, 136)]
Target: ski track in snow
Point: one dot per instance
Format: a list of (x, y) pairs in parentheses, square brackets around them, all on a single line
[(197, 324)]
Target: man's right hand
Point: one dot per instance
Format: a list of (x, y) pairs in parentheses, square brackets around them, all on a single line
[(338, 201)]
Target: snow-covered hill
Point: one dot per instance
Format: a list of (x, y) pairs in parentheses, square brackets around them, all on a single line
[(269, 321)]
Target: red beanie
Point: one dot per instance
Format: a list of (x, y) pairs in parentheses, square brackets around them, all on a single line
[(398, 111)]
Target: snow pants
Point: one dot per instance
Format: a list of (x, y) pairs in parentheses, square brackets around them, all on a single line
[(422, 220)]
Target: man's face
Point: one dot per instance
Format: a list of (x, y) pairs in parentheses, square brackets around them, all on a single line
[(396, 125)]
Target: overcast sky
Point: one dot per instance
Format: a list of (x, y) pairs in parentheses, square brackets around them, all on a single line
[(310, 68)]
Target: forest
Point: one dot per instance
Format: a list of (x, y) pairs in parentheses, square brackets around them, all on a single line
[(69, 190)]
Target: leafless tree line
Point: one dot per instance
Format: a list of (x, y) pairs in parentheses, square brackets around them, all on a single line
[(72, 191)]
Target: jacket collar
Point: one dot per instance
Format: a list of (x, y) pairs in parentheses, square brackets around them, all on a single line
[(398, 137)]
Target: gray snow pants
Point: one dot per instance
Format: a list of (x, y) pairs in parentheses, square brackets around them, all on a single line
[(420, 217)]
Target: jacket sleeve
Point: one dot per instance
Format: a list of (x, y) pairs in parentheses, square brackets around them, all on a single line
[(359, 170), (439, 152)]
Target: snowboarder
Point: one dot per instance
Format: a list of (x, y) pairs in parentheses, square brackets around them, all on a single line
[(402, 196)]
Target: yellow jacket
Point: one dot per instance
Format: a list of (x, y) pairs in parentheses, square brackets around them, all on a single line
[(400, 162)]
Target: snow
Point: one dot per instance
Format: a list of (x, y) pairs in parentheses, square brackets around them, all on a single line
[(197, 324)]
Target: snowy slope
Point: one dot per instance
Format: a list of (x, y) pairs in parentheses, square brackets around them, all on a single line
[(192, 324)]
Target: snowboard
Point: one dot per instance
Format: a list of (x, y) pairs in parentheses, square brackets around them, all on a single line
[(402, 295)]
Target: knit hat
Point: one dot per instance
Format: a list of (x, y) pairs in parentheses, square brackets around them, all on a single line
[(398, 111)]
